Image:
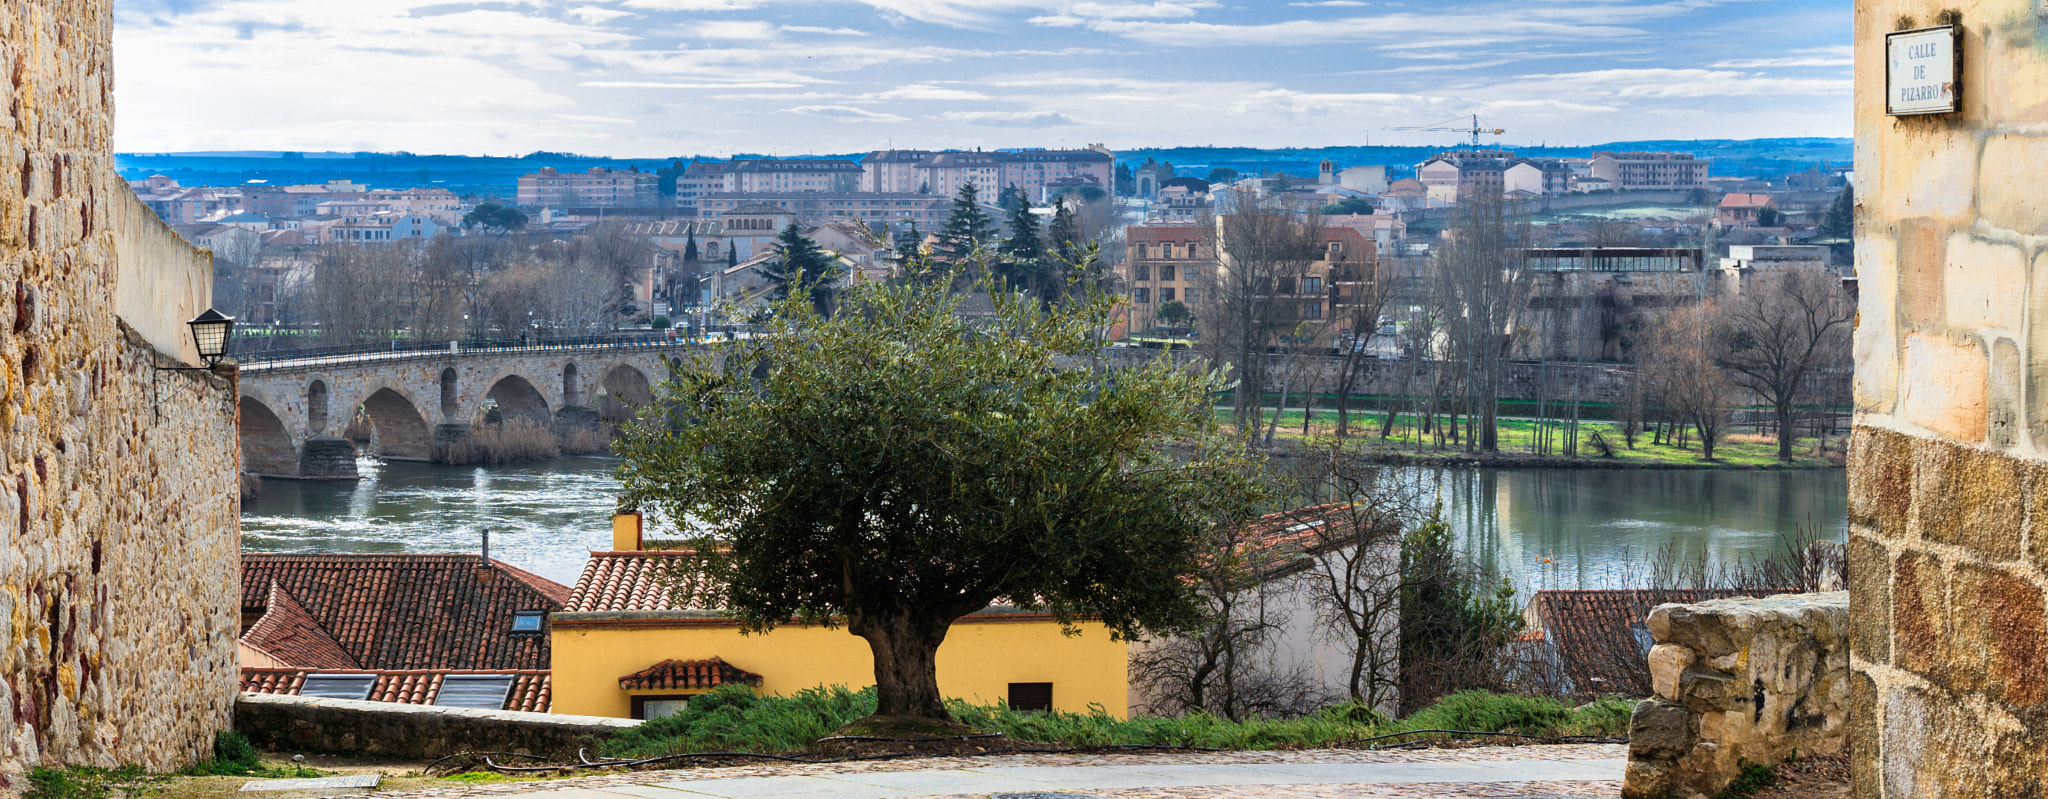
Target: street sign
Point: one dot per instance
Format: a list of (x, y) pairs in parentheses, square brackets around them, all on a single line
[(1922, 69)]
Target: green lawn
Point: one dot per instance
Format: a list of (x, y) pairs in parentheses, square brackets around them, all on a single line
[(1738, 449)]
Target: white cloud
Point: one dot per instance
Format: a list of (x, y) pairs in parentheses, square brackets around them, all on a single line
[(928, 92), (1009, 119), (594, 14), (1665, 83), (648, 84), (735, 29), (1795, 61), (693, 5), (1332, 4), (824, 31), (847, 113)]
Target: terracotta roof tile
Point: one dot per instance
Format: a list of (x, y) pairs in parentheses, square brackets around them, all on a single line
[(688, 675), (1600, 635), (532, 689), (411, 611), (288, 634), (614, 581)]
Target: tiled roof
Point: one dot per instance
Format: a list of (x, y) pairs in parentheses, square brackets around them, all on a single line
[(411, 611), (1746, 200), (1271, 541), (287, 633), (614, 581), (688, 675), (1600, 637), (532, 689)]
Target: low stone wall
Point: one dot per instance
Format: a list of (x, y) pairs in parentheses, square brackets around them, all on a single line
[(411, 732), (1739, 681)]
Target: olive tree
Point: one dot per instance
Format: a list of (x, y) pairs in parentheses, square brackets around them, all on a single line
[(900, 465)]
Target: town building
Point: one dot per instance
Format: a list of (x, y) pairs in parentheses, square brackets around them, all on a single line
[(600, 187), (1649, 171), (625, 648), (698, 179), (451, 630), (1465, 174), (1586, 303), (1166, 263), (1536, 177), (1742, 210), (873, 208), (783, 175), (1180, 263), (380, 228), (1039, 173)]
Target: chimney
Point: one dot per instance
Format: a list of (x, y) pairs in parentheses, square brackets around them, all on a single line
[(487, 547), (626, 531)]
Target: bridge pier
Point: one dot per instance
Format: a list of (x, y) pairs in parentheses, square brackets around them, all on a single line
[(449, 437), (328, 458), (576, 416)]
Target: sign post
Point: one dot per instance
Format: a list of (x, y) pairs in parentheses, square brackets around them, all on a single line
[(1922, 68)]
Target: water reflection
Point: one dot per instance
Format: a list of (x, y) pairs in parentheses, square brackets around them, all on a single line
[(1596, 527)]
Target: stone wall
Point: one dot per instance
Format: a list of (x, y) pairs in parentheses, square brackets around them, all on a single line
[(1739, 681), (1948, 563), (411, 732), (118, 502)]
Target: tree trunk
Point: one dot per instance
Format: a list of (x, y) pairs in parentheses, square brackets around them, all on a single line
[(906, 673), (1784, 412)]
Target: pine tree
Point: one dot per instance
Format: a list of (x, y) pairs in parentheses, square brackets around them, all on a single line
[(968, 226), (1064, 235), (801, 267), (1840, 220), (1024, 258), (732, 256)]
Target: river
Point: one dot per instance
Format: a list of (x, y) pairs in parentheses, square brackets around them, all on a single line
[(1545, 528)]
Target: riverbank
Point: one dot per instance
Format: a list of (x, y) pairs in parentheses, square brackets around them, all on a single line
[(1601, 445)]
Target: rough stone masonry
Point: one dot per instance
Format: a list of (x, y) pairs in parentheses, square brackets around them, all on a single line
[(1948, 547), (118, 502)]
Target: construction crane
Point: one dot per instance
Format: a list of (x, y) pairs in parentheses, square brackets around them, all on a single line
[(1457, 126)]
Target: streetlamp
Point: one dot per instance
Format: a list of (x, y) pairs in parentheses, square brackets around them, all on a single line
[(210, 333)]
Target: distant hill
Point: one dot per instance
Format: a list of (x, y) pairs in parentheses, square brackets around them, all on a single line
[(498, 175)]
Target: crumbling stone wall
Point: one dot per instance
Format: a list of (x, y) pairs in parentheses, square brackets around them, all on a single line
[(118, 508), (1739, 681), (1948, 559), (413, 732)]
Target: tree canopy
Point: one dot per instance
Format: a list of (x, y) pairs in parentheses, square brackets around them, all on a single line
[(1349, 205), (494, 216), (1840, 220), (1024, 265), (898, 466), (802, 269), (967, 227)]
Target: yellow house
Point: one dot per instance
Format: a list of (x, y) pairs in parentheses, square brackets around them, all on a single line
[(621, 649)]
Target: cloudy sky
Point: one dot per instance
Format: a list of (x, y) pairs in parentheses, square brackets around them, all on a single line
[(644, 78)]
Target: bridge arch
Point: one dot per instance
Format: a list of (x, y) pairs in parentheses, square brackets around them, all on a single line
[(625, 389), (399, 428), (267, 447), (517, 398)]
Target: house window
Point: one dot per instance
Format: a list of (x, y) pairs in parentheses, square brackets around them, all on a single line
[(1166, 294), (1311, 285), (648, 708), (1166, 250), (479, 691), (1030, 696), (338, 686), (1144, 272), (526, 621), (1139, 294), (1312, 310), (1166, 271), (1189, 295)]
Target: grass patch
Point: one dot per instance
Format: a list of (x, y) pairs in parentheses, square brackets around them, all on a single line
[(733, 719), (86, 782), (1518, 434), (1753, 778), (234, 756)]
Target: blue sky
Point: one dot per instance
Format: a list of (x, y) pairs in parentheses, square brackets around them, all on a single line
[(640, 78)]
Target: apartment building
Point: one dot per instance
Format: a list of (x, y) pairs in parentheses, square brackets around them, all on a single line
[(1179, 263), (380, 228), (600, 187), (874, 208), (1038, 172), (1461, 174), (699, 179), (1649, 171), (1536, 177), (792, 174)]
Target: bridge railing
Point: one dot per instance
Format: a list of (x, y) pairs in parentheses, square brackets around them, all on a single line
[(321, 356)]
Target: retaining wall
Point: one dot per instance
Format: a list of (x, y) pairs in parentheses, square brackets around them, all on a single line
[(1739, 681), (411, 732)]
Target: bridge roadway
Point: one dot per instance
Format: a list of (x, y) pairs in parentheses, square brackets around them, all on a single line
[(417, 401)]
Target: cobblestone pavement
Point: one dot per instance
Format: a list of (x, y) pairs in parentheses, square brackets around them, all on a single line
[(1521, 772)]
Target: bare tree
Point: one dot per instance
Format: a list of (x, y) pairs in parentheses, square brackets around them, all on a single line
[(359, 292), (1682, 360), (1480, 287), (1778, 330), (1262, 251)]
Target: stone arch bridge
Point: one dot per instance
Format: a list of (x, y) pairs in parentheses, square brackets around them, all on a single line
[(293, 412)]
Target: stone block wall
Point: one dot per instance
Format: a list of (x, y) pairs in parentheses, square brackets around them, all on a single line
[(1739, 681), (412, 732), (118, 505), (1948, 557)]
